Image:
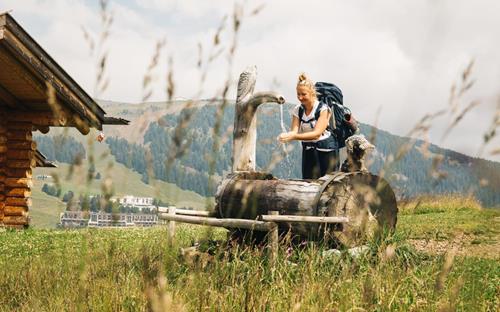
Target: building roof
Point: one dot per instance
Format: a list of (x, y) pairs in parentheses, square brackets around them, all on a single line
[(33, 87), (41, 160)]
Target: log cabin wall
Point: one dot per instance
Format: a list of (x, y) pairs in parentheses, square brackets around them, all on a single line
[(20, 159), (35, 94), (3, 150)]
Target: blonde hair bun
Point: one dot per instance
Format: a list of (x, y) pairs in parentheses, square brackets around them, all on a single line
[(303, 77), (305, 81)]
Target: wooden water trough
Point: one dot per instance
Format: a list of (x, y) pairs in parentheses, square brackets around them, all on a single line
[(342, 207)]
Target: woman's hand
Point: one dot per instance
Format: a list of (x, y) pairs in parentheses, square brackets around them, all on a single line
[(286, 136)]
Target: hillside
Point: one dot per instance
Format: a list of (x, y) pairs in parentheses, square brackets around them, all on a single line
[(45, 209), (414, 174)]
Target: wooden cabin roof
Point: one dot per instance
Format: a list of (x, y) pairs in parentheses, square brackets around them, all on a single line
[(41, 160), (33, 87)]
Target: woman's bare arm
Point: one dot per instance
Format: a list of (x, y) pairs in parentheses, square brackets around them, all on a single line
[(320, 127)]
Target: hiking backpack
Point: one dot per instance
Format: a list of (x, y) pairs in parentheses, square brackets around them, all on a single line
[(341, 124)]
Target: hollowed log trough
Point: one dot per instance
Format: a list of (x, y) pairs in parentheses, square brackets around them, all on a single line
[(366, 201)]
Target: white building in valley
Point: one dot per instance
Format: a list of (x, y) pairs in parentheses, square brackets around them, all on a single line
[(133, 201)]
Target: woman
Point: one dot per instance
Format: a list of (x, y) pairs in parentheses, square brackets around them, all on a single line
[(309, 125)]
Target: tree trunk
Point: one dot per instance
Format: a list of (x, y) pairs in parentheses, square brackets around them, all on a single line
[(365, 199)]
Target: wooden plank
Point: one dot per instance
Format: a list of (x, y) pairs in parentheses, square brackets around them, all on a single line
[(186, 212), (19, 135), (20, 154), (15, 211), (19, 182), (19, 125), (22, 145), (227, 223), (42, 118), (19, 173), (18, 201), (15, 220), (66, 88), (303, 219), (18, 192), (21, 163), (8, 98)]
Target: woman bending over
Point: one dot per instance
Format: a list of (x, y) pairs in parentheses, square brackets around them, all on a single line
[(310, 125)]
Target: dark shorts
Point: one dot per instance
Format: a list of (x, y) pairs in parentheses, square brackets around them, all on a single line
[(316, 164)]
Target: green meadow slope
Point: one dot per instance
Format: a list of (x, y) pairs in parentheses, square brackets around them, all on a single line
[(46, 209), (444, 256)]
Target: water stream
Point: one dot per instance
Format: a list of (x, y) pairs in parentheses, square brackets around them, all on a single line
[(287, 163)]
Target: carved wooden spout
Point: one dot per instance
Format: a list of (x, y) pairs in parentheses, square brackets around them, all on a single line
[(245, 120)]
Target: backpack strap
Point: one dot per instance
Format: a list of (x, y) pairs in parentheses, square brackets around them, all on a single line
[(317, 113)]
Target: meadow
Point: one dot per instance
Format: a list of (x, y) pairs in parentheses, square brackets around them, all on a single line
[(444, 256)]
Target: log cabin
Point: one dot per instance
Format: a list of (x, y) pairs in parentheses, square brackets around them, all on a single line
[(35, 94)]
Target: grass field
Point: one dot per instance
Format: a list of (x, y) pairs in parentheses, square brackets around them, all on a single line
[(135, 270), (45, 210)]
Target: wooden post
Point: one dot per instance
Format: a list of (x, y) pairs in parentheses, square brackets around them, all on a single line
[(245, 121), (273, 238), (171, 226)]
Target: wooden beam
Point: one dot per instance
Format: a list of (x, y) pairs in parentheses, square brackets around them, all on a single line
[(186, 212), (18, 192), (19, 125), (20, 154), (15, 220), (81, 125), (67, 89), (21, 163), (15, 211), (41, 118), (23, 145), (303, 219), (19, 135), (19, 182), (21, 173), (18, 201), (226, 222), (22, 72), (8, 98)]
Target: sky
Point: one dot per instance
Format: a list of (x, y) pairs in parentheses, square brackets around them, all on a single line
[(395, 60)]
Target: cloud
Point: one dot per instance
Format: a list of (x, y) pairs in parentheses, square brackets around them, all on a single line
[(401, 56)]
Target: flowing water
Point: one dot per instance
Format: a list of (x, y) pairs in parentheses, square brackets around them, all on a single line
[(287, 162)]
